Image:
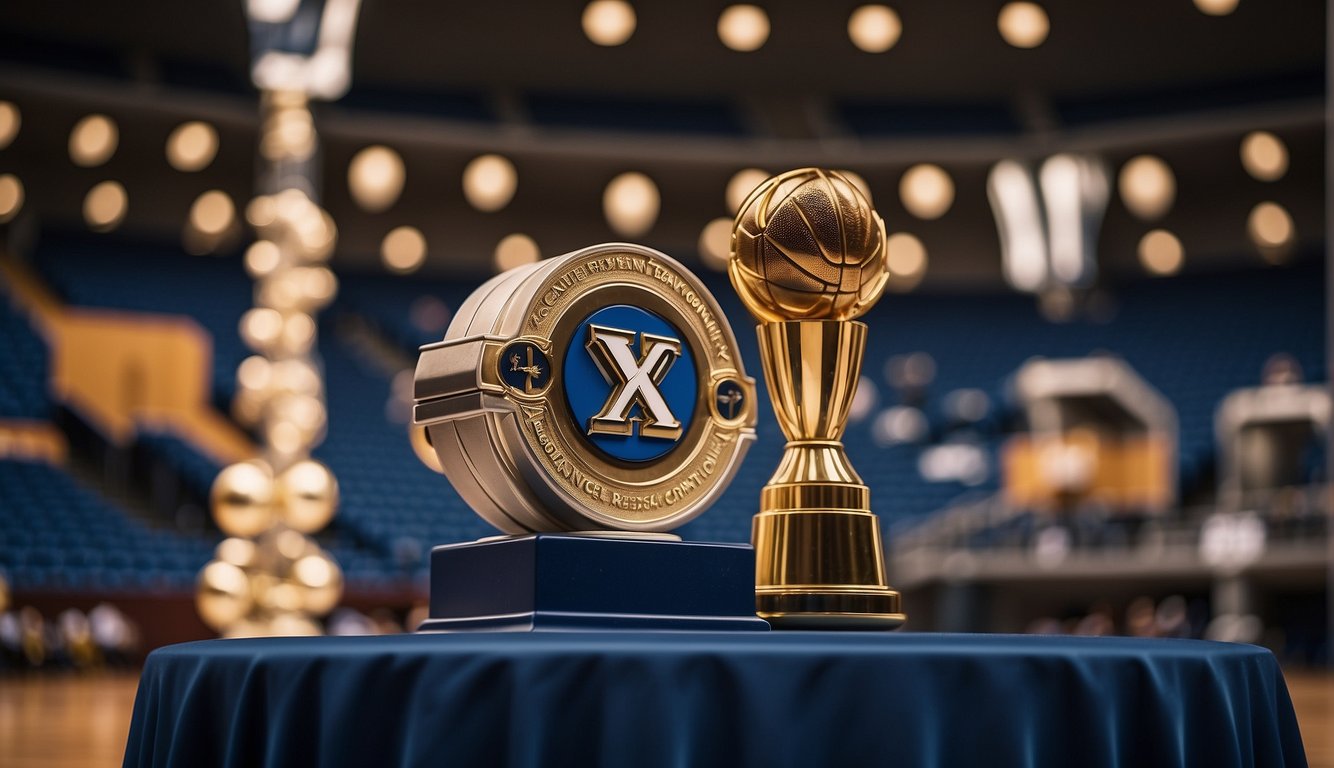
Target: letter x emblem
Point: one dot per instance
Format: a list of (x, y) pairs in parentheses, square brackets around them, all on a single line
[(634, 382)]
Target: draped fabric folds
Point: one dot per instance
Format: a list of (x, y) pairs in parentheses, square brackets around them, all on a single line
[(705, 699)]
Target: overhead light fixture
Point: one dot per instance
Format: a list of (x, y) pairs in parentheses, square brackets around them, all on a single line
[(609, 22), (326, 72), (403, 249), (742, 183), (104, 206), (874, 28), (192, 146), (715, 244), (631, 204), (212, 213), (1217, 7), (1074, 191), (905, 258), (10, 122), (1264, 156), (375, 178), (514, 251), (262, 258), (927, 191), (743, 27), (1014, 199), (1161, 253), (1270, 227), (1023, 24), (93, 141), (489, 182), (1147, 187), (11, 197), (272, 11)]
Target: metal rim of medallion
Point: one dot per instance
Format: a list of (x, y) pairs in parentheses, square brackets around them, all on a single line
[(493, 396)]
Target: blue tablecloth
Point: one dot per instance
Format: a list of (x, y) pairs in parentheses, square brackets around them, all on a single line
[(675, 699)]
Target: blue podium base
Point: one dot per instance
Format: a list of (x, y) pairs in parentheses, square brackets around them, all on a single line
[(571, 582)]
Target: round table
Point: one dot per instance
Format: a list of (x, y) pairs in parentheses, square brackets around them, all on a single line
[(700, 699)]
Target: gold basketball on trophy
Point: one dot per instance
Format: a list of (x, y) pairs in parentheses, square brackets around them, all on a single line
[(808, 246)]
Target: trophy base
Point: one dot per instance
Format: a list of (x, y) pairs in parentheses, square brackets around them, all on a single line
[(877, 610), (572, 582)]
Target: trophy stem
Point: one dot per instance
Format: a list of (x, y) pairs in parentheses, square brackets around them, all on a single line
[(819, 562)]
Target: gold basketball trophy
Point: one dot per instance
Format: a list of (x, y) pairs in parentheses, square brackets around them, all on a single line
[(808, 257)]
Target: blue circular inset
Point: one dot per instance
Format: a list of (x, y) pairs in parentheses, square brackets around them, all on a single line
[(524, 368), (619, 359), (731, 399)]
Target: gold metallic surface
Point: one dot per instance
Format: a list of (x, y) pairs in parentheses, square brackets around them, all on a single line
[(223, 595), (307, 496), (808, 257), (807, 245), (242, 499)]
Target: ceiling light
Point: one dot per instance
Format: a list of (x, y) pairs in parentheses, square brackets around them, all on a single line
[(631, 204), (375, 177), (11, 197), (1023, 25), (715, 244), (403, 249), (261, 258), (104, 206), (609, 22), (272, 11), (10, 121), (212, 212), (514, 251), (192, 146), (93, 141), (927, 191), (1014, 200), (743, 27), (1161, 253), (1147, 187), (741, 185), (489, 182), (1264, 156), (905, 257), (1217, 7), (874, 28), (1270, 225)]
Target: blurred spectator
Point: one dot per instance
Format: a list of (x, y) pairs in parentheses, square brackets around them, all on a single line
[(347, 622), (115, 638), (1281, 369), (1171, 619), (1098, 623), (32, 636), (1140, 618)]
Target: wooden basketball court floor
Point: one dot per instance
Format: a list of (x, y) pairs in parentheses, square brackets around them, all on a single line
[(80, 721)]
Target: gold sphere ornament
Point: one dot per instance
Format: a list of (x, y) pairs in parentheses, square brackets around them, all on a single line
[(307, 496), (292, 625), (808, 246), (242, 499), (246, 627), (274, 594), (241, 553), (223, 596), (321, 583)]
